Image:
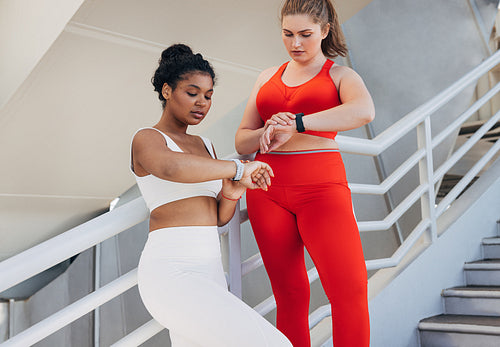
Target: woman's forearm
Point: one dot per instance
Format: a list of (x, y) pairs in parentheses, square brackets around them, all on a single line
[(226, 210), (247, 140), (340, 118), (189, 168)]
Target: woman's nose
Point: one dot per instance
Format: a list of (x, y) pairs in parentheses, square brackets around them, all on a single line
[(296, 41), (201, 101)]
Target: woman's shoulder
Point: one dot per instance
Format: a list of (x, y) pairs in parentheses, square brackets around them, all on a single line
[(270, 71), (338, 69), (148, 136), (266, 74), (145, 132), (339, 72)]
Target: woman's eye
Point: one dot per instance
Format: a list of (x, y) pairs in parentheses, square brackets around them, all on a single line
[(191, 94), (306, 35), (288, 35), (208, 97)]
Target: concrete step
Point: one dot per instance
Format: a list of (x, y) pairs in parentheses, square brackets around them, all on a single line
[(491, 248), (483, 273), (459, 331), (472, 300)]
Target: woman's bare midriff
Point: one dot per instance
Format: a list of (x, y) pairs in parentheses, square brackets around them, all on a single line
[(304, 142), (195, 211)]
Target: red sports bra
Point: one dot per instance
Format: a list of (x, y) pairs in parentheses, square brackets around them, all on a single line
[(317, 94)]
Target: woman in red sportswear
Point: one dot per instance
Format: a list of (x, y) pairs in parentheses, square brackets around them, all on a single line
[(292, 117)]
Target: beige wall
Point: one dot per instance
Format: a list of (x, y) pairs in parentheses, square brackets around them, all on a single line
[(27, 30)]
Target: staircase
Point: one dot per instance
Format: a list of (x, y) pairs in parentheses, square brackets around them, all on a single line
[(472, 313)]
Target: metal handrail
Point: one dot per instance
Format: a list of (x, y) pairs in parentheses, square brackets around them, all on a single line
[(73, 311), (408, 243), (140, 335), (459, 153), (35, 260), (452, 195), (391, 218), (455, 125), (392, 179), (74, 241), (319, 314)]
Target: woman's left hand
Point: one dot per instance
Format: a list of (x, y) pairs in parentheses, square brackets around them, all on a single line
[(275, 136), (232, 190)]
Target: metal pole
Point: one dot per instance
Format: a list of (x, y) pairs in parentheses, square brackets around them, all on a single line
[(234, 240), (426, 172), (97, 285), (478, 20), (12, 330)]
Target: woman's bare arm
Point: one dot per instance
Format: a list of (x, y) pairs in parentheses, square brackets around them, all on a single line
[(252, 127)]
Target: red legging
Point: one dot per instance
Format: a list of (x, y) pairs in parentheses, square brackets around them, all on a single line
[(309, 204)]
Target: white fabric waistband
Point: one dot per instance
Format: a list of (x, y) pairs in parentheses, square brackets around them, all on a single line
[(186, 241)]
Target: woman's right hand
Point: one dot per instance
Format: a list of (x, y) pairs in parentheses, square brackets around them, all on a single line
[(281, 118), (277, 130), (256, 174)]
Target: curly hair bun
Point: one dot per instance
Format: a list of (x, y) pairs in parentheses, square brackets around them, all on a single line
[(174, 51)]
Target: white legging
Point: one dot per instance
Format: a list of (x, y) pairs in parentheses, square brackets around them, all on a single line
[(182, 284)]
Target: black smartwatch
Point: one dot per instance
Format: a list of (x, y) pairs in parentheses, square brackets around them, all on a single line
[(299, 123)]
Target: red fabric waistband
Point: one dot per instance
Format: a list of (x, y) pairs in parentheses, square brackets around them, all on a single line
[(305, 168)]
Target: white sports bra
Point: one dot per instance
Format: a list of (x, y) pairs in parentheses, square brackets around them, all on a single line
[(157, 192)]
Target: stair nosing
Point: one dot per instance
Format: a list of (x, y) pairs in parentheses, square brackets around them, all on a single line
[(483, 265), (491, 241), (459, 328), (483, 292)]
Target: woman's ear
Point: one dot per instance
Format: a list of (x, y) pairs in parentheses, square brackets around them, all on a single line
[(166, 91), (325, 31)]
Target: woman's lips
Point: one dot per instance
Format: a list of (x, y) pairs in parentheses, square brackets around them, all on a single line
[(198, 114)]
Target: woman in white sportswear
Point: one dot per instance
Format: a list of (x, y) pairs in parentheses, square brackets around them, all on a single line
[(189, 193)]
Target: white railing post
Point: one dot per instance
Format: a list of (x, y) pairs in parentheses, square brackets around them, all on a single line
[(12, 320), (97, 285), (234, 240), (426, 172)]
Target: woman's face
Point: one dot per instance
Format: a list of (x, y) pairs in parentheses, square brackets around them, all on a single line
[(190, 102), (302, 37)]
